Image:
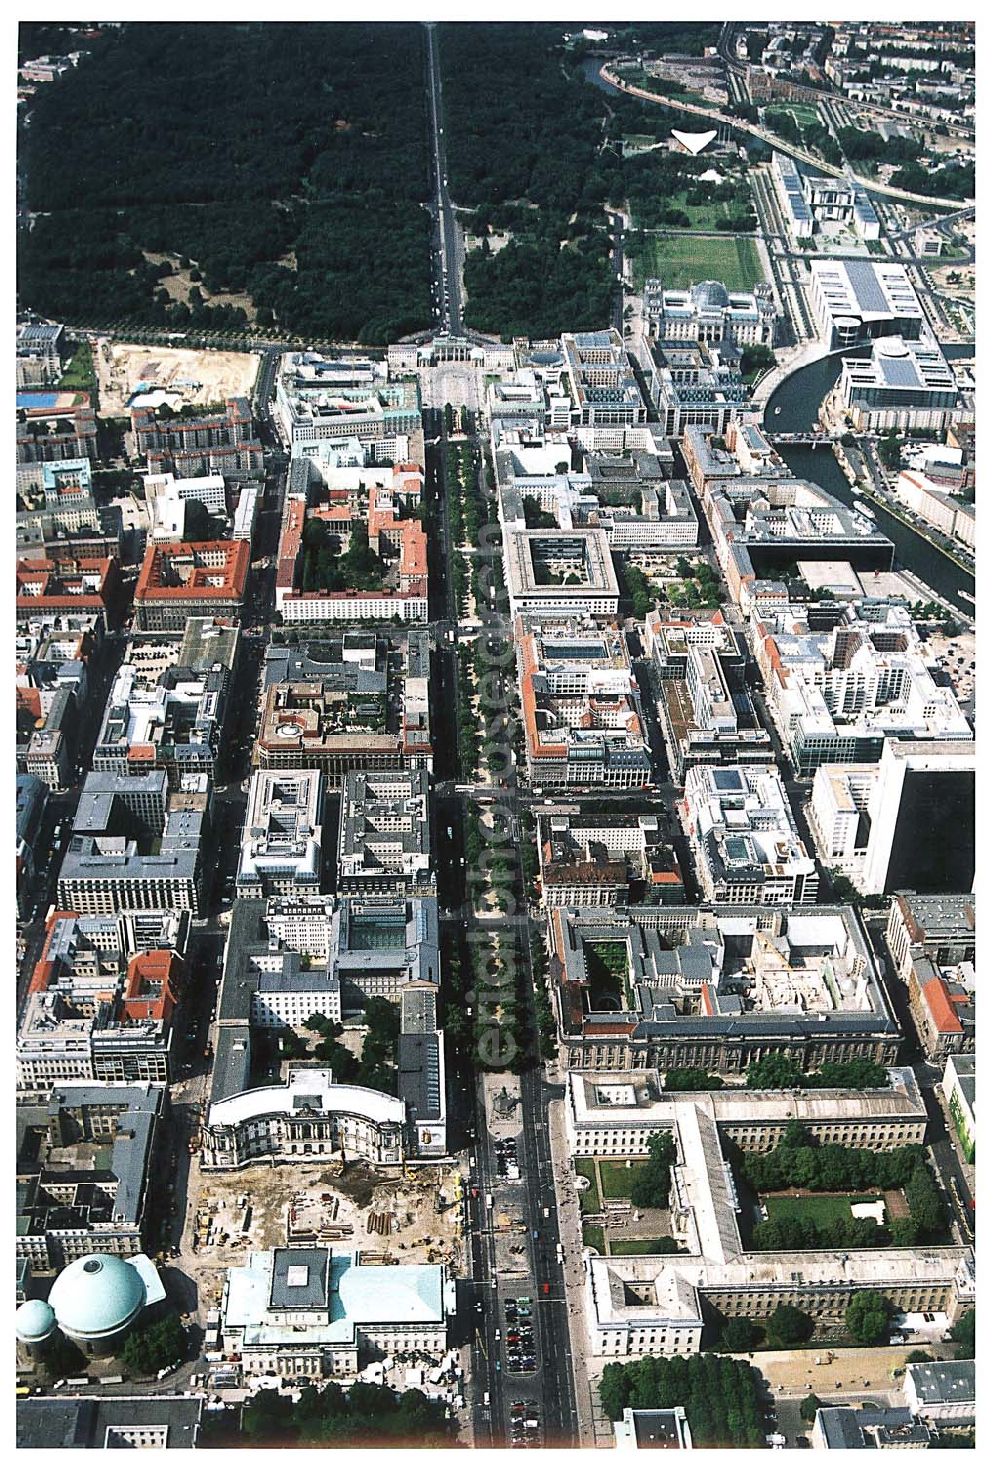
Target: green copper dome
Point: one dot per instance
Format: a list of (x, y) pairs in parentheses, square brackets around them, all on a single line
[(34, 1320), (96, 1295)]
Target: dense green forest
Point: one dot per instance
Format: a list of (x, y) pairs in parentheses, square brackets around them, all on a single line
[(540, 157), (285, 162)]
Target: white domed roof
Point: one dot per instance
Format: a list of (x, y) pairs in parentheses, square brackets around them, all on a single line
[(96, 1295), (34, 1320)]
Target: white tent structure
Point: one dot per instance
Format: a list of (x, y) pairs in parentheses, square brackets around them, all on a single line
[(694, 142)]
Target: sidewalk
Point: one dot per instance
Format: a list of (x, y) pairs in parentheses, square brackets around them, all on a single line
[(567, 1211)]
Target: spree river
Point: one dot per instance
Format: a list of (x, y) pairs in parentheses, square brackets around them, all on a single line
[(799, 398)]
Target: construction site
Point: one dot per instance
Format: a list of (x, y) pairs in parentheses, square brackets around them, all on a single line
[(390, 1217), (133, 376)]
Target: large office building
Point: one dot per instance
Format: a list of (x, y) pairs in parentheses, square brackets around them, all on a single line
[(318, 1313), (932, 940), (746, 846), (708, 312), (282, 846), (601, 381), (693, 383), (289, 959), (902, 385), (809, 201), (385, 845), (588, 860), (857, 300), (763, 520), (883, 1428), (661, 987), (55, 500), (837, 693), (613, 1115), (320, 399), (353, 701), (38, 347), (580, 700), (706, 714), (307, 1116), (109, 1422), (135, 845), (641, 1305), (942, 1394), (50, 586), (101, 1001), (905, 822), (629, 494), (395, 537), (181, 580), (554, 574)]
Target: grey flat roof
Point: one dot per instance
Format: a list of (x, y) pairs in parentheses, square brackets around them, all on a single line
[(419, 1083), (66, 1424), (231, 1068), (945, 1383), (300, 1278)]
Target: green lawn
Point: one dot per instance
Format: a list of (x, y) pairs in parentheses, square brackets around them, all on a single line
[(801, 112), (657, 1246), (79, 372), (825, 1210), (680, 261), (594, 1236), (589, 1200), (616, 1179)]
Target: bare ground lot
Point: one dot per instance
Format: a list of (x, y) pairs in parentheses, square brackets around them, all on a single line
[(197, 376)]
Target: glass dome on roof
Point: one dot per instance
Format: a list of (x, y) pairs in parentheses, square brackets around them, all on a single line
[(96, 1295), (711, 293)]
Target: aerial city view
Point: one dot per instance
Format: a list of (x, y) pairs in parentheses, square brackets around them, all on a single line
[(495, 726)]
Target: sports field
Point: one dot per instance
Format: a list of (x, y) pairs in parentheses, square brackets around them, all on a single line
[(823, 1210), (681, 261)]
